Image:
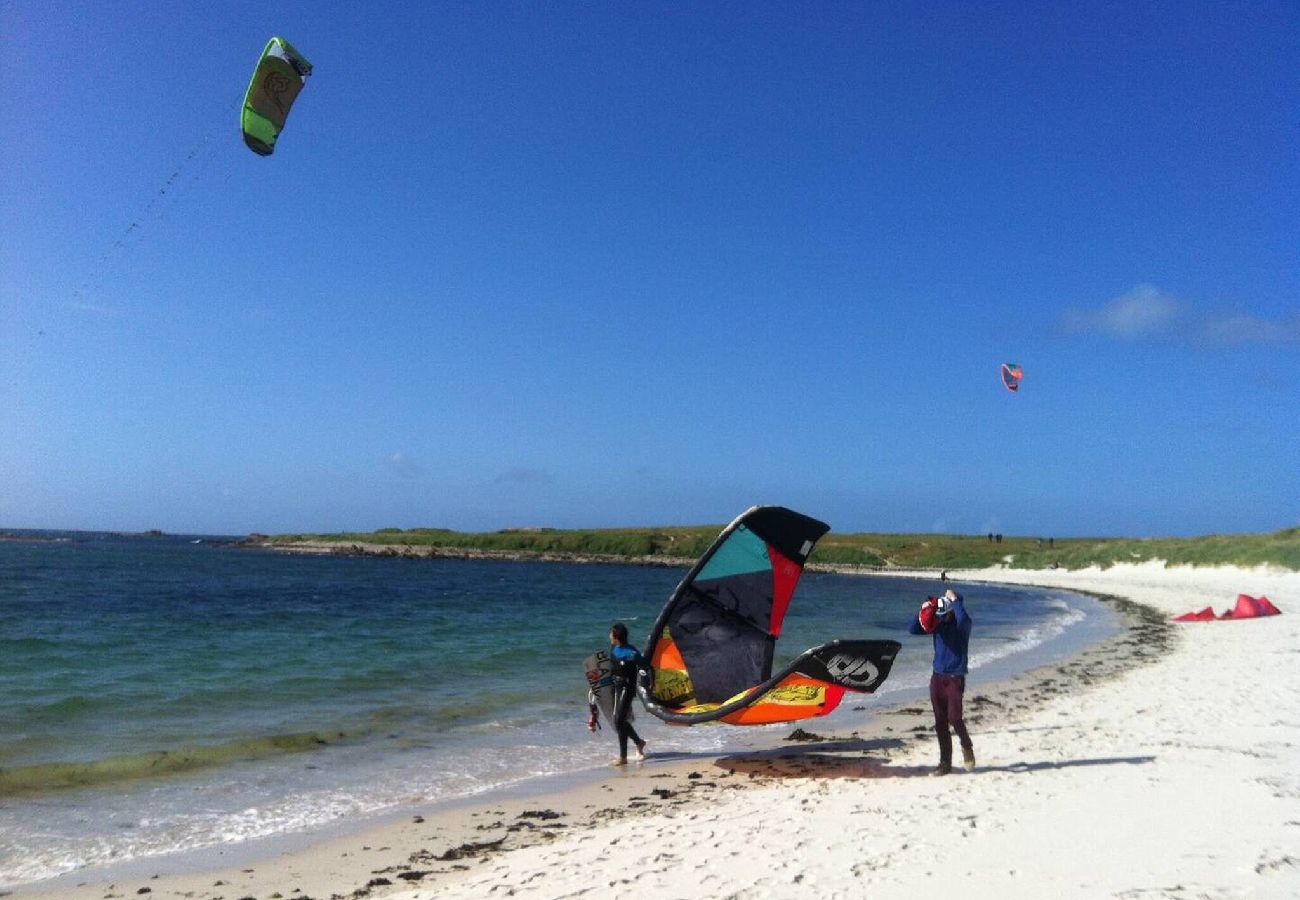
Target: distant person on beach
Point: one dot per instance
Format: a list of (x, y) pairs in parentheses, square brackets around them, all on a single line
[(627, 662), (946, 619)]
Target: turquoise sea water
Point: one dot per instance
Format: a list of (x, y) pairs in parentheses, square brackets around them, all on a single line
[(165, 693)]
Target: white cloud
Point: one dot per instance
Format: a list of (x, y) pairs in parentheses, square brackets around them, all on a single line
[(1148, 312), (1144, 311), (1241, 329), (402, 464)]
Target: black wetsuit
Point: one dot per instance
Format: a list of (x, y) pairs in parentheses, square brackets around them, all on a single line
[(627, 661)]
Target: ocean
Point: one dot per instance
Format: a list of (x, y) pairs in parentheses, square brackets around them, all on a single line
[(166, 693)]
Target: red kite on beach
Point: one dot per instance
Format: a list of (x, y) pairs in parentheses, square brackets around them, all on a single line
[(1205, 615), (1251, 608), (1247, 608)]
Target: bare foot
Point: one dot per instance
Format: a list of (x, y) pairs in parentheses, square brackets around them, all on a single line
[(619, 762)]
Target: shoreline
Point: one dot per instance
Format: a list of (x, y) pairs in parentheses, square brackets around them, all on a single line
[(436, 848)]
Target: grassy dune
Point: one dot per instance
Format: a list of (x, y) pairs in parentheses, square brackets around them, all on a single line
[(923, 551)]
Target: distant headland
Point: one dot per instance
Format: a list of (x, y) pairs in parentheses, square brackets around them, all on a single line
[(681, 545)]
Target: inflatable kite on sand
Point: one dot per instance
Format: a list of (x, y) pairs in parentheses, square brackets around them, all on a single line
[(711, 648), (1247, 608)]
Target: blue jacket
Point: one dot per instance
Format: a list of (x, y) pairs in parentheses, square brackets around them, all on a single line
[(951, 639)]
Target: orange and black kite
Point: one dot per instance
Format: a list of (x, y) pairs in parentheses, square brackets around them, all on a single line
[(711, 648)]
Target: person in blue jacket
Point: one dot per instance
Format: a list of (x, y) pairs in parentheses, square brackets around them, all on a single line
[(627, 662), (947, 620)]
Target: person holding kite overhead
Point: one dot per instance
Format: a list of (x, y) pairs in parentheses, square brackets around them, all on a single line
[(627, 662), (947, 620)]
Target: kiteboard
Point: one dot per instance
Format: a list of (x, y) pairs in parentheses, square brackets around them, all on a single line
[(600, 680)]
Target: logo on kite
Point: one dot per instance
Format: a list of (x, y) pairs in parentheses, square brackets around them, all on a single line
[(278, 79), (852, 671), (1011, 375)]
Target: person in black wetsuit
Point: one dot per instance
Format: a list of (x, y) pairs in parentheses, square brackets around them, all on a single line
[(627, 662)]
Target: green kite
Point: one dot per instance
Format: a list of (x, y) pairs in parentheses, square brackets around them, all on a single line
[(278, 79)]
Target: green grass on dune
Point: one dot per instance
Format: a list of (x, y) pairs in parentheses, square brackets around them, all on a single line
[(921, 551)]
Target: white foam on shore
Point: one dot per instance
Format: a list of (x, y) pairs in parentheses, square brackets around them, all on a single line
[(1036, 635), (1078, 621), (245, 803)]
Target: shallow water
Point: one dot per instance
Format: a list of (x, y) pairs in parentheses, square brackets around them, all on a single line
[(158, 694)]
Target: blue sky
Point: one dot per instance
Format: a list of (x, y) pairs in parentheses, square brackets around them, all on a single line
[(611, 264)]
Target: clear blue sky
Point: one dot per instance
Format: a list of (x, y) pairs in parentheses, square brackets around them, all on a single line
[(616, 264)]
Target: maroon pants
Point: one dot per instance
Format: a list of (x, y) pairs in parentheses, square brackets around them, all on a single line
[(945, 696)]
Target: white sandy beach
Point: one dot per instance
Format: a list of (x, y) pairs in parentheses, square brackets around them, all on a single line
[(1164, 764)]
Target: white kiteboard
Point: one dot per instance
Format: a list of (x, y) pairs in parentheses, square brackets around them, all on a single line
[(600, 681)]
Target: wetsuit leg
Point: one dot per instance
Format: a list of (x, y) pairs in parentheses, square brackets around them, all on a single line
[(626, 731), (622, 703)]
